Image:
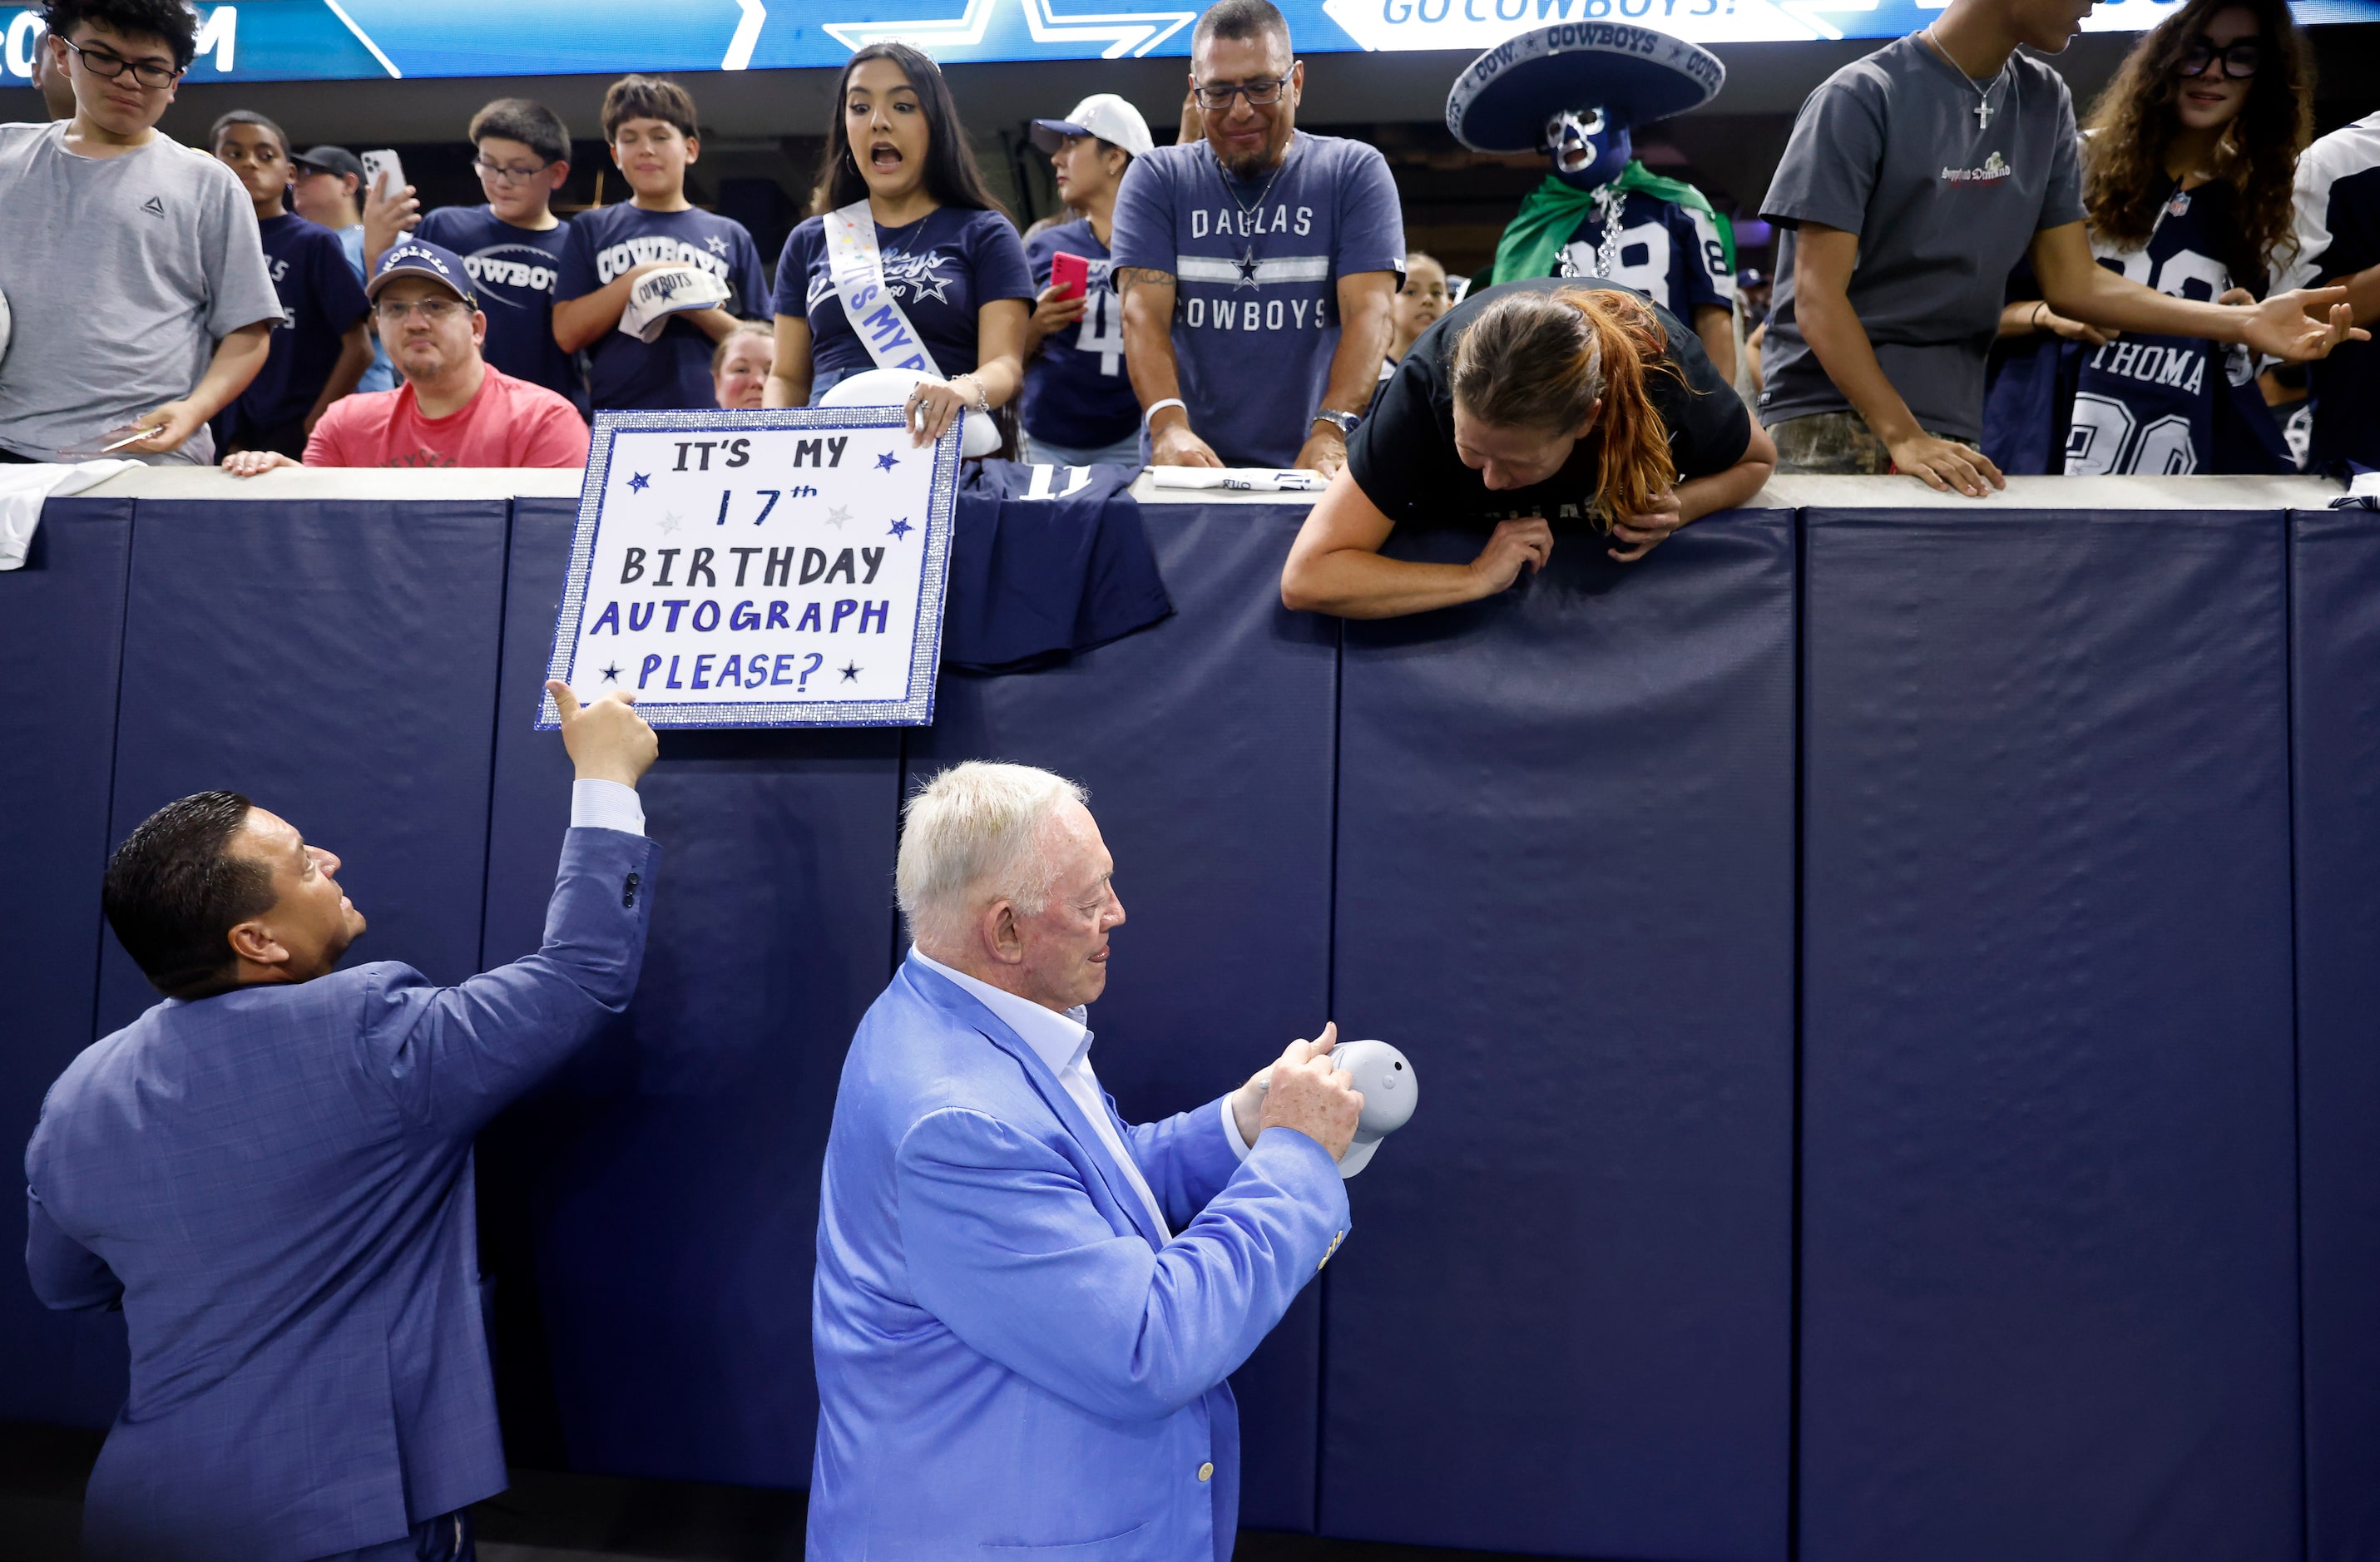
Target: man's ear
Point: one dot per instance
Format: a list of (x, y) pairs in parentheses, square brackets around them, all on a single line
[(255, 943), (560, 170), (693, 150), (1004, 939)]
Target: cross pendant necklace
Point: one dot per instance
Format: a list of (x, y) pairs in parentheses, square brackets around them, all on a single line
[(1983, 92)]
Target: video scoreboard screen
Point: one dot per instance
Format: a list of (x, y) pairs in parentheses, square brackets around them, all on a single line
[(317, 40)]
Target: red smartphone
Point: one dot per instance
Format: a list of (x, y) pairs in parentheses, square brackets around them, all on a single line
[(1070, 275)]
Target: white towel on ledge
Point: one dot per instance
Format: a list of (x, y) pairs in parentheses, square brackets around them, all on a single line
[(1244, 479), (24, 489)]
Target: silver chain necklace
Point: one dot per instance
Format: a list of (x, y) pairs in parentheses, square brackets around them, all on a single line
[(1983, 92), (1247, 260)]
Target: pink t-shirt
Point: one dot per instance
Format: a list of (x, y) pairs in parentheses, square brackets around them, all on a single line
[(509, 423)]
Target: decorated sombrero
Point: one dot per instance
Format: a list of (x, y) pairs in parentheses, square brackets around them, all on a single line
[(1502, 101)]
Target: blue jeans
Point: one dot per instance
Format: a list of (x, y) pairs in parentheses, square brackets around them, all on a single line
[(1125, 452)]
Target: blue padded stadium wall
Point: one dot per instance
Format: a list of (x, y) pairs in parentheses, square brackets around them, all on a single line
[(2004, 882), (2049, 1261)]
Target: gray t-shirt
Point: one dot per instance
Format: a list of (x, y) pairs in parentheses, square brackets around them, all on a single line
[(1888, 148), (122, 273)]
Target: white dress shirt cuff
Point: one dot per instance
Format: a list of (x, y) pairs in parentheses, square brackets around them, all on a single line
[(1231, 1130), (602, 805)]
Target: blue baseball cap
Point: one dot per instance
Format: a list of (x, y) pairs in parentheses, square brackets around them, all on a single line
[(418, 257)]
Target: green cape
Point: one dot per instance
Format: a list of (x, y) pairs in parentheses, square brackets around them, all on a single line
[(1553, 211)]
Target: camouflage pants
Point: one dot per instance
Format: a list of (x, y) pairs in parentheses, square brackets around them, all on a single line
[(1836, 445)]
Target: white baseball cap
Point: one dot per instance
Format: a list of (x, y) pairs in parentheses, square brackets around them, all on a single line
[(1102, 115)]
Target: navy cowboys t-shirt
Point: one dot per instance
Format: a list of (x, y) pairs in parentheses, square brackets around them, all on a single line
[(1256, 268), (1670, 253), (514, 270), (673, 370), (319, 299), (941, 269), (1076, 393)]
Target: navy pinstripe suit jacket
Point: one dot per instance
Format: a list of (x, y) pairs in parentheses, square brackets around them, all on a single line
[(276, 1184)]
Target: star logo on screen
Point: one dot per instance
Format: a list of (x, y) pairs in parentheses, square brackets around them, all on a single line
[(902, 527), (850, 671), (887, 461), (639, 482)]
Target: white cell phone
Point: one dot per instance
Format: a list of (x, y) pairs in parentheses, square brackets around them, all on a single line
[(384, 173)]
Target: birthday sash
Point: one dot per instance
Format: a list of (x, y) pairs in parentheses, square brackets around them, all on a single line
[(858, 271)]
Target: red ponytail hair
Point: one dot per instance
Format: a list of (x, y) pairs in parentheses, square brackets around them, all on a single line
[(1542, 360)]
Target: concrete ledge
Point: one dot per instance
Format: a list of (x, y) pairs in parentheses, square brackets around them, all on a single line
[(1784, 494), (342, 482)]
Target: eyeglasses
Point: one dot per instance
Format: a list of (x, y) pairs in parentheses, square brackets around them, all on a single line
[(507, 175), (1260, 94), (108, 66), (2240, 59), (437, 312)]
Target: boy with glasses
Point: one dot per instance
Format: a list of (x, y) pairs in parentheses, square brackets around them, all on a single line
[(513, 242), (322, 347), (1258, 265), (455, 408), (131, 263)]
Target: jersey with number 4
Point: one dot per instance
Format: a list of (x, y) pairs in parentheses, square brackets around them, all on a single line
[(1076, 394), (1670, 253), (2171, 406)]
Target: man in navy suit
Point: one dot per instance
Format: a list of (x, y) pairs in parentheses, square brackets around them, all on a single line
[(271, 1173), (1026, 1310)]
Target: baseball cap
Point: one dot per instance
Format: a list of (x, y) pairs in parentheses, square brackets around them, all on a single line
[(1102, 115), (331, 159), (418, 257)]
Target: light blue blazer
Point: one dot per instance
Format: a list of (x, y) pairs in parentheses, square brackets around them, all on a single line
[(1009, 1357), (276, 1185)]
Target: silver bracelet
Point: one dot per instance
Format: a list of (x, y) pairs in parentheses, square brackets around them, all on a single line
[(982, 397), (1156, 407)]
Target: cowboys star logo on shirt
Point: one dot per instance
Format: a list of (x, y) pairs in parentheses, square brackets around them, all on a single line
[(718, 245), (913, 278)]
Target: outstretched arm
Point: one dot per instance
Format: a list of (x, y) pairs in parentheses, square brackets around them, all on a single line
[(2295, 327), (454, 1057)]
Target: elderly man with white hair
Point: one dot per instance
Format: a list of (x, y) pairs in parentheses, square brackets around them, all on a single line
[(1025, 1309)]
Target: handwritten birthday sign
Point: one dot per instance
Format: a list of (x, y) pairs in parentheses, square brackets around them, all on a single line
[(759, 569)]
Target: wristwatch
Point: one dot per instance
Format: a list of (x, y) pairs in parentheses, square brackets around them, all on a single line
[(1343, 421)]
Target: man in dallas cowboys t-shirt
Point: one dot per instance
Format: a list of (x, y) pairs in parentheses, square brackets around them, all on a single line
[(1258, 265), (513, 243), (2338, 241), (649, 125)]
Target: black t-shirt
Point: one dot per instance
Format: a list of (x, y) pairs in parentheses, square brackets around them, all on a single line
[(1403, 458)]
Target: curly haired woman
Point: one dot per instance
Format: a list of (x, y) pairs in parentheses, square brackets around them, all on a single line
[(2188, 168)]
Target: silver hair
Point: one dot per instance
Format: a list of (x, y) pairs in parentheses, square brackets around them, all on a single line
[(971, 836)]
